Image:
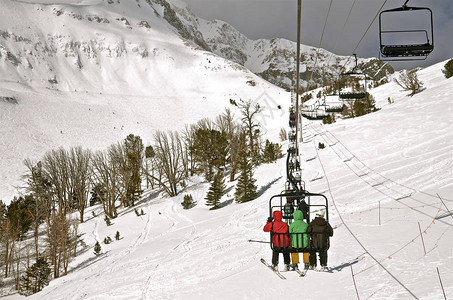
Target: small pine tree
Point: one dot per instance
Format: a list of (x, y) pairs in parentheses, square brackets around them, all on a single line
[(329, 120), (97, 248), (321, 145), (448, 69), (188, 202), (36, 277), (107, 240), (365, 106), (107, 221), (216, 191), (246, 190), (117, 236), (271, 152), (142, 213), (136, 212)]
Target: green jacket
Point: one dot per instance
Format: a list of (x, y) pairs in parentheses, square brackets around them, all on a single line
[(298, 226)]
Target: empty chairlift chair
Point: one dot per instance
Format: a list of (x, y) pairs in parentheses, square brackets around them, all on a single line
[(406, 33), (333, 104), (315, 111), (352, 85)]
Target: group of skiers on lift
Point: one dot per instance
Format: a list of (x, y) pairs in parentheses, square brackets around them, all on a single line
[(298, 234)]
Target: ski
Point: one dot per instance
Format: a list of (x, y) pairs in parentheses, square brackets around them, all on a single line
[(301, 273), (270, 267)]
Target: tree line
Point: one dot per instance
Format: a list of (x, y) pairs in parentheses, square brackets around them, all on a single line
[(38, 236)]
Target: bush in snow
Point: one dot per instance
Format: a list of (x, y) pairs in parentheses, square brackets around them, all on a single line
[(188, 202), (329, 120), (448, 69), (283, 135), (97, 248), (107, 221), (409, 81)]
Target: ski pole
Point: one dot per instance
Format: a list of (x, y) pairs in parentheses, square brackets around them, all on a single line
[(255, 241)]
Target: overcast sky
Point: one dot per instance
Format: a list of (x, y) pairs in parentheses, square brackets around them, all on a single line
[(278, 18)]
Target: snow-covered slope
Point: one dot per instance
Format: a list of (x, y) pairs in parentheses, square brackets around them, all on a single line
[(384, 175), (91, 72)]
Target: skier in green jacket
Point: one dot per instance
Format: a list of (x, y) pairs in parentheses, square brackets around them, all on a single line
[(298, 236)]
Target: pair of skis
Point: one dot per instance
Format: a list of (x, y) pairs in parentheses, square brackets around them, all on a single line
[(277, 272)]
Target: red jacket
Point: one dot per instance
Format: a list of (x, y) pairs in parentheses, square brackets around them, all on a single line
[(282, 239)]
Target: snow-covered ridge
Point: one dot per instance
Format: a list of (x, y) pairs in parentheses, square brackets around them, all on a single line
[(119, 28), (91, 74)]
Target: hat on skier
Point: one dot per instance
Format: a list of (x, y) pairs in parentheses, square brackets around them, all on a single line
[(320, 214)]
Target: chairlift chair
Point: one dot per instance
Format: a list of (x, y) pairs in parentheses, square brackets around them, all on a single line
[(315, 111), (333, 106), (352, 85), (315, 202), (408, 44), (346, 90)]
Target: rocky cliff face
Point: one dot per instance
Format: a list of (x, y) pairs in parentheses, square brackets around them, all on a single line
[(56, 39), (275, 60)]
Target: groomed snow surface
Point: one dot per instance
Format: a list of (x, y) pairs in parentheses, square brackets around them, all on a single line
[(399, 158)]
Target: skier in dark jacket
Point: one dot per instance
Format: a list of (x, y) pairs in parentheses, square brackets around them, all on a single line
[(320, 231), (288, 210), (303, 207), (280, 237)]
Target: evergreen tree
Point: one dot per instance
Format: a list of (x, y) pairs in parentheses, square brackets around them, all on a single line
[(210, 149), (329, 120), (188, 202), (36, 277), (448, 69), (271, 152), (216, 191), (365, 106), (134, 162), (97, 248), (19, 214), (97, 194), (117, 235), (246, 190)]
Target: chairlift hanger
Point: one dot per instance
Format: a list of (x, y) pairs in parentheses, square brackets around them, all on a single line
[(404, 52), (353, 73)]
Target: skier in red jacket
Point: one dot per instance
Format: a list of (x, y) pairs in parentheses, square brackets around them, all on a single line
[(280, 238)]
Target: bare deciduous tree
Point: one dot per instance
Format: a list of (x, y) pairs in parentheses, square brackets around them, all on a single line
[(79, 175), (169, 153), (225, 122), (60, 239), (248, 112), (409, 81), (56, 165), (283, 135), (106, 177)]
